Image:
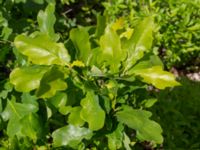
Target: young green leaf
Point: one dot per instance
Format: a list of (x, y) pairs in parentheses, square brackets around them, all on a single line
[(92, 112), (140, 41), (146, 129), (46, 20), (157, 77), (111, 52), (42, 50)]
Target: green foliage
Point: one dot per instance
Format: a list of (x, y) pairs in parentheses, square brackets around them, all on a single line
[(80, 88), (178, 41), (178, 112)]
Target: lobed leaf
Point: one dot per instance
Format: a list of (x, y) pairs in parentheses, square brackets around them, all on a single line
[(146, 129)]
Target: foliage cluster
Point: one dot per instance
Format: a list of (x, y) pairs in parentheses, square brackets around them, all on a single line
[(71, 81)]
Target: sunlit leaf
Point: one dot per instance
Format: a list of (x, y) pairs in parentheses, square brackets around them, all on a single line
[(27, 78), (92, 111), (70, 135), (110, 50), (157, 77), (42, 50), (140, 41), (46, 20)]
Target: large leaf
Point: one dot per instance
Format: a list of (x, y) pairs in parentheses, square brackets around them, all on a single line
[(52, 81), (157, 77), (70, 136), (111, 52), (146, 129), (42, 50), (46, 20), (140, 41), (80, 39), (92, 111), (27, 78)]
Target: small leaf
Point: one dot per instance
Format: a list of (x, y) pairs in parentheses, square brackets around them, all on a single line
[(46, 20), (77, 63), (59, 100), (42, 50), (118, 24), (157, 77), (127, 34), (27, 78), (92, 111), (146, 129), (70, 136), (126, 142), (101, 25), (149, 102)]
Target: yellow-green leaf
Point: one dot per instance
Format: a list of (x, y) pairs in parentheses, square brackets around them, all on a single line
[(27, 78), (157, 77), (42, 50)]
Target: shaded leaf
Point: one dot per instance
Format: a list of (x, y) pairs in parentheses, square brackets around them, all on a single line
[(74, 117), (52, 81), (115, 138), (59, 100), (31, 126)]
